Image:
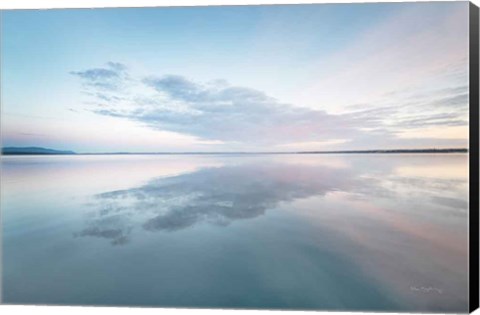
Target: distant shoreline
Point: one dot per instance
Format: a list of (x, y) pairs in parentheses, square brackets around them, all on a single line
[(22, 151)]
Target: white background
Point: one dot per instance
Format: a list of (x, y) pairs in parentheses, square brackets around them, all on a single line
[(54, 310)]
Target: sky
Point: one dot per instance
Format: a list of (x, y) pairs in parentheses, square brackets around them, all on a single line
[(236, 78)]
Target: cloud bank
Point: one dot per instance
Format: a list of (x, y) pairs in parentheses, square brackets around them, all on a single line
[(218, 111)]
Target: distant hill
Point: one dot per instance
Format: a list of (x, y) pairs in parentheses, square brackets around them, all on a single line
[(32, 151)]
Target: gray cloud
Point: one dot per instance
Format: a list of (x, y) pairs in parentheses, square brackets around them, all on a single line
[(215, 110), (455, 100), (96, 74), (218, 111), (111, 77), (455, 203), (178, 87)]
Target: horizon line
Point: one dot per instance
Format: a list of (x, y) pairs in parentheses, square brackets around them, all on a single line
[(63, 152), (424, 150)]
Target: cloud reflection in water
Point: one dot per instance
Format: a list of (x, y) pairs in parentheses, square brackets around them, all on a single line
[(217, 196), (221, 195)]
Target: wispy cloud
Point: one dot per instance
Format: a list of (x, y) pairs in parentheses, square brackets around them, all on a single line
[(212, 110), (109, 78), (218, 111), (420, 48)]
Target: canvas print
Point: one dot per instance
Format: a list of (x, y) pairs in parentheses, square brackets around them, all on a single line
[(310, 157)]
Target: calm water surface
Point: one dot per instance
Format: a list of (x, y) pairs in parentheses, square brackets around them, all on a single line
[(340, 232)]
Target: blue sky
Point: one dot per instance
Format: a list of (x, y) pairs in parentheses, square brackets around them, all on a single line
[(296, 77)]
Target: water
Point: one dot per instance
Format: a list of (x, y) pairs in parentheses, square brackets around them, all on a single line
[(332, 232)]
